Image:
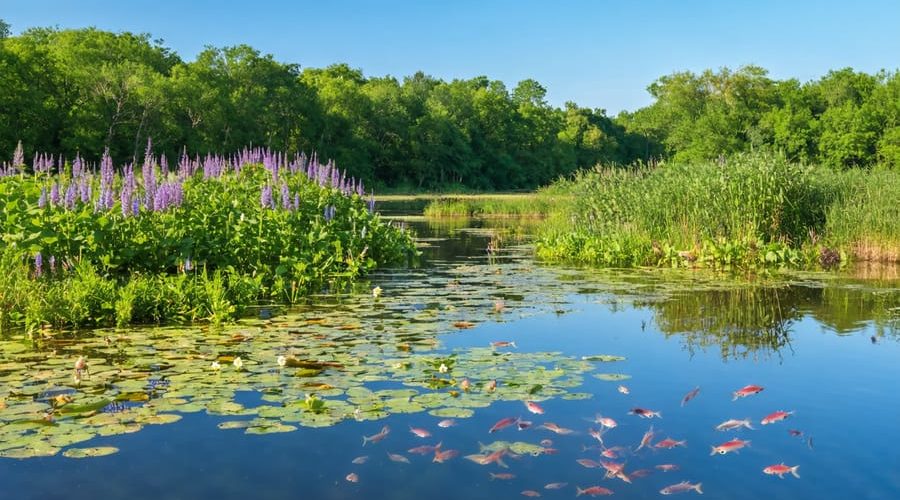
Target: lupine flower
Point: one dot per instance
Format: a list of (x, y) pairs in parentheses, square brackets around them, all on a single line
[(285, 196), (38, 264), (69, 201), (18, 159), (265, 198), (42, 199), (54, 194), (329, 212), (372, 203)]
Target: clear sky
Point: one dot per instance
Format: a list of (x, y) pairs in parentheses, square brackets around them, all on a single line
[(597, 53)]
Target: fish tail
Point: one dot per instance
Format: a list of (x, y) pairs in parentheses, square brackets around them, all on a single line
[(713, 452), (697, 487), (365, 440), (501, 463), (513, 343), (579, 491), (734, 398), (748, 425), (794, 471)]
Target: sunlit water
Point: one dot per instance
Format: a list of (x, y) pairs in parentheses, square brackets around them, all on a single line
[(822, 346)]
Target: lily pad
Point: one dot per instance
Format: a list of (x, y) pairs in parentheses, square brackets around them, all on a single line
[(451, 412), (611, 377), (100, 451), (605, 358)]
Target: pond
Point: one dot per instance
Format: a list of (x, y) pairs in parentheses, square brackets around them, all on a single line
[(348, 396)]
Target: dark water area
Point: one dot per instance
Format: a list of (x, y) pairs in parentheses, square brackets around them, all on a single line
[(822, 346)]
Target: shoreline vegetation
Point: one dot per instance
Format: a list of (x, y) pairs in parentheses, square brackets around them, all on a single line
[(88, 245)]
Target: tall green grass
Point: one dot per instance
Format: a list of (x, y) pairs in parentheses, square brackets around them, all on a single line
[(519, 205), (750, 210)]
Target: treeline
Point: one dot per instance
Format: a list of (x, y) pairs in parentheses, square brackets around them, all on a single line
[(81, 91)]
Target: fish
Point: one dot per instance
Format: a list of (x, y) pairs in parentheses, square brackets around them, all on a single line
[(689, 396), (780, 470), (809, 442), (530, 493), (550, 426), (549, 451), (646, 439), (546, 442), (795, 433), (504, 423), (681, 488), (504, 343), (375, 438), (592, 491), (623, 389), (588, 463), (605, 422), (523, 424), (449, 422), (360, 460), (745, 391), (534, 408), (424, 449), (503, 475), (667, 467), (641, 473), (776, 417), (396, 457), (734, 424), (669, 443), (610, 452), (352, 477), (727, 447), (419, 432), (495, 457), (645, 413), (598, 435), (612, 468), (555, 486), (442, 456)]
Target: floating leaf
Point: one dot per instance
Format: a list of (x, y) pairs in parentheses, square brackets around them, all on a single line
[(452, 412), (100, 451), (612, 377), (606, 358)]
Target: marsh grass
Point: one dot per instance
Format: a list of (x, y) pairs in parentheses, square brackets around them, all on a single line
[(748, 211), (538, 204)]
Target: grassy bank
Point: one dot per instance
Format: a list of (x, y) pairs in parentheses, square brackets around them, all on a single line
[(198, 242), (749, 211), (538, 204)]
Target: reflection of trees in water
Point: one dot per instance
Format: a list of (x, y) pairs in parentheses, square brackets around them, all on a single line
[(754, 320), (742, 322)]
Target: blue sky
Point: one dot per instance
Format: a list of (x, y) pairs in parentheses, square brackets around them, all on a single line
[(597, 53)]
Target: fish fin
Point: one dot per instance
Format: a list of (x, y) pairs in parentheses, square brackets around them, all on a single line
[(697, 487), (578, 491), (365, 440), (513, 343), (713, 452), (734, 398), (501, 463), (438, 447), (794, 471)]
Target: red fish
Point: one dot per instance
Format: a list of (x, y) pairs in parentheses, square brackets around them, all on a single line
[(534, 407), (689, 396), (624, 390), (605, 422), (612, 468), (669, 443), (555, 486), (747, 390), (503, 475), (422, 433), (396, 457), (598, 435), (681, 488), (446, 423), (546, 443), (641, 473), (442, 456), (645, 441), (549, 451), (502, 424), (503, 343), (733, 445), (352, 477), (530, 493), (780, 470), (645, 413), (360, 460), (550, 426), (593, 491), (778, 416), (375, 438), (423, 450), (667, 467), (611, 452)]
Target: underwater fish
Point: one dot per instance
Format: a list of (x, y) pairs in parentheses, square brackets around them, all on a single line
[(419, 432), (550, 426), (646, 439), (592, 491), (795, 433), (534, 408), (598, 435), (503, 343), (747, 390), (504, 423), (689, 396), (590, 464), (503, 475), (530, 493), (780, 470), (734, 424), (449, 422), (641, 473), (776, 417), (669, 443), (396, 457), (376, 438), (442, 456), (681, 488), (667, 467), (424, 449), (523, 424), (360, 460), (623, 389), (727, 447), (605, 422), (546, 442), (645, 413), (555, 486), (352, 477)]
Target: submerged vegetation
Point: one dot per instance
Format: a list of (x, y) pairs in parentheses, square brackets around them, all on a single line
[(750, 210), (199, 242)]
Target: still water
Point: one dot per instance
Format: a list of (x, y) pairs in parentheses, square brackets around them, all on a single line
[(193, 413)]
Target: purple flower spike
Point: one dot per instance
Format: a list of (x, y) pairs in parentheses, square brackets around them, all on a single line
[(42, 200), (265, 198), (38, 264), (54, 194)]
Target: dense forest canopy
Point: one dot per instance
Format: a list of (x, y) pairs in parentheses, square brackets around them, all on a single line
[(85, 90)]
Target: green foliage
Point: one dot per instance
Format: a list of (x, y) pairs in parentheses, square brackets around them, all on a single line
[(751, 210), (525, 205)]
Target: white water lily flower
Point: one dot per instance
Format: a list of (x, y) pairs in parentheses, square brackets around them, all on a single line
[(215, 365), (376, 292), (443, 368), (281, 360), (238, 363)]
